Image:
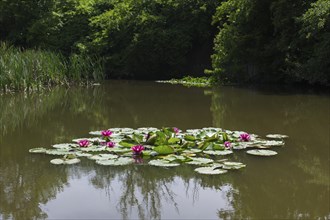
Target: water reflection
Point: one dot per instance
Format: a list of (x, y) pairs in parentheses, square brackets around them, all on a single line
[(295, 184)]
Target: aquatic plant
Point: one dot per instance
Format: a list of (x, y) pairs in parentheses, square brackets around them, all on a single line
[(106, 133), (244, 137), (166, 147), (137, 149), (28, 69), (83, 143)]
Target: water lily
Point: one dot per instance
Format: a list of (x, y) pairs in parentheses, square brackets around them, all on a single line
[(83, 143), (106, 133), (176, 130), (227, 144), (245, 137), (137, 149), (110, 144)]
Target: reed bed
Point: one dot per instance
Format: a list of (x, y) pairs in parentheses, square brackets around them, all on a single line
[(32, 69)]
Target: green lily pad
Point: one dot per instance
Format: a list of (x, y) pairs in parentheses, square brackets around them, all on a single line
[(273, 143), (164, 149), (65, 146), (38, 150), (262, 152), (210, 170), (93, 148), (82, 154), (228, 165), (58, 151), (199, 161), (162, 163), (116, 162), (103, 157), (277, 136), (218, 152), (59, 161), (192, 150)]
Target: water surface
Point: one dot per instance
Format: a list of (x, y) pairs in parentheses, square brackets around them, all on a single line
[(292, 185)]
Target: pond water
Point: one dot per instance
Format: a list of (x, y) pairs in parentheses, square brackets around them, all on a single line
[(292, 185)]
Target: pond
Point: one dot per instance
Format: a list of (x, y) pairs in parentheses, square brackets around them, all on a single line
[(291, 185)]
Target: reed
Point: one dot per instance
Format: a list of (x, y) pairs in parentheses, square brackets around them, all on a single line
[(32, 69)]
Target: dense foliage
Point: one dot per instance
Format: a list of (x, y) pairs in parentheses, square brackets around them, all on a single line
[(252, 40), (273, 41)]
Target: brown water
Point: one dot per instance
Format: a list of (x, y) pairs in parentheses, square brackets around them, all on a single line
[(292, 185)]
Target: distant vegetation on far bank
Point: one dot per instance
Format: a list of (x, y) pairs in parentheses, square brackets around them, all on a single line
[(37, 69), (238, 41)]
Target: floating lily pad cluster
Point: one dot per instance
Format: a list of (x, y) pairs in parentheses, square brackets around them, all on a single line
[(166, 147)]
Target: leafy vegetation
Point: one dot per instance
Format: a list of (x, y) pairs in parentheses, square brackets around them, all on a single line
[(190, 81), (167, 147), (272, 41), (37, 69), (253, 41)]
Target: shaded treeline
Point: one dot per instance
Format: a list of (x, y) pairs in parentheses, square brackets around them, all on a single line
[(252, 41)]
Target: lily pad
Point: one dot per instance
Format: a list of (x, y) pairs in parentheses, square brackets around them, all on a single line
[(94, 148), (162, 163), (218, 152), (82, 154), (164, 149), (199, 161), (265, 153), (228, 165), (116, 162), (58, 151), (38, 150), (277, 136), (210, 170), (273, 143), (59, 161), (65, 145), (103, 157)]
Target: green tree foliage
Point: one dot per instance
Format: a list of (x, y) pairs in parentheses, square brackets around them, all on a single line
[(264, 40), (150, 38)]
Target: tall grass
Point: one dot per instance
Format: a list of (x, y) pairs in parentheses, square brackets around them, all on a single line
[(36, 69)]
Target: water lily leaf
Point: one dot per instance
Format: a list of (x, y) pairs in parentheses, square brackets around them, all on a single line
[(38, 150), (228, 165), (273, 143), (164, 149), (103, 157), (261, 152), (81, 154), (57, 161), (199, 161), (218, 152), (65, 145), (210, 170), (116, 162), (189, 138), (192, 151), (72, 161), (119, 150), (97, 133), (218, 147), (277, 136), (174, 140), (93, 148), (58, 151), (162, 163), (127, 144)]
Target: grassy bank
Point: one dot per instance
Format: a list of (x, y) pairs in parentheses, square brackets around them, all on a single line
[(36, 69)]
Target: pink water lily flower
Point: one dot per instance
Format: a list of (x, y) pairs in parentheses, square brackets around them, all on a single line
[(227, 144), (83, 143), (106, 133), (137, 149), (110, 144), (245, 137), (176, 130)]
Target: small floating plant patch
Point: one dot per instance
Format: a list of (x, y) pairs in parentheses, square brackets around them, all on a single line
[(209, 148)]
